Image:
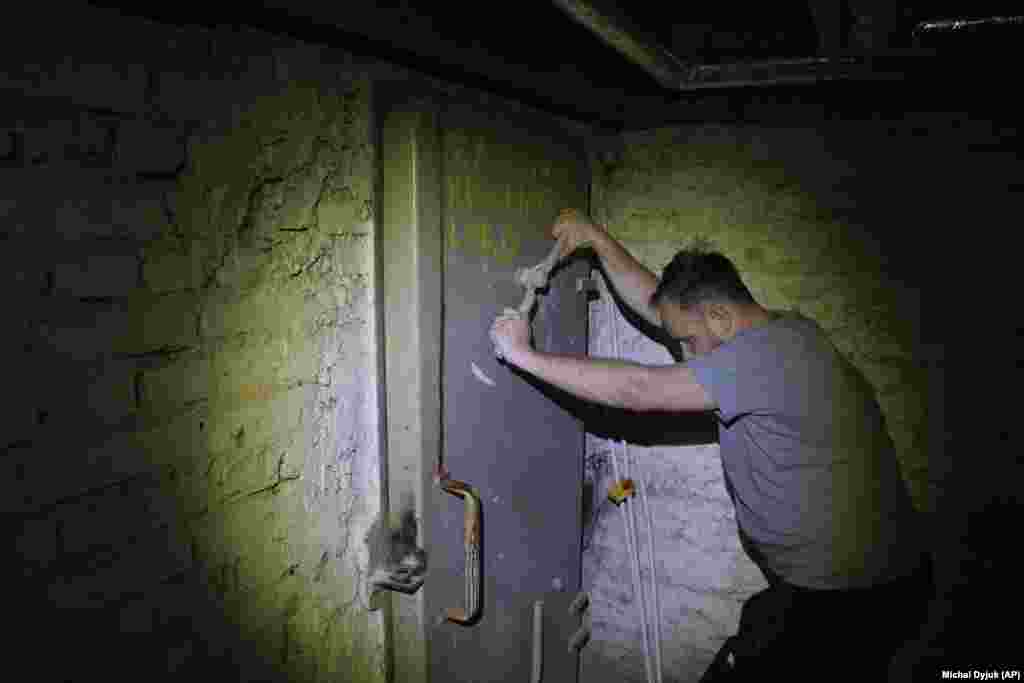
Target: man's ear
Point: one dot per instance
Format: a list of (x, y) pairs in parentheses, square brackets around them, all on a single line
[(720, 319)]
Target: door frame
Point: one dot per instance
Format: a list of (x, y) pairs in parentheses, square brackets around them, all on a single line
[(409, 263)]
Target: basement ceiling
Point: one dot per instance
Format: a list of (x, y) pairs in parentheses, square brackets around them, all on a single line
[(536, 52)]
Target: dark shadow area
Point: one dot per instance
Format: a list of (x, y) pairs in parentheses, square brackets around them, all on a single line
[(655, 428), (197, 642), (975, 567), (975, 528)]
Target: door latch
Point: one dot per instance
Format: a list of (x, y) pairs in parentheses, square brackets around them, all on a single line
[(589, 287)]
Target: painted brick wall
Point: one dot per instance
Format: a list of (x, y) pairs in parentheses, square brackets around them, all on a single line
[(190, 433), (856, 221)]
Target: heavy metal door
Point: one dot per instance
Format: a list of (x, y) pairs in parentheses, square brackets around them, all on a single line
[(504, 177)]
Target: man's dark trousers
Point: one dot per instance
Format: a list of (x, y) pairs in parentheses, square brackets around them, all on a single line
[(805, 634)]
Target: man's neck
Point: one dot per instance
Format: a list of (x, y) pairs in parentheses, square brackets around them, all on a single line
[(755, 316)]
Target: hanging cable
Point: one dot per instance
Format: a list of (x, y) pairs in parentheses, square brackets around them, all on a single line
[(629, 522), (656, 607), (634, 563)]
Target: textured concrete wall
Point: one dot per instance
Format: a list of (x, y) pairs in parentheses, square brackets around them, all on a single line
[(853, 221), (190, 428)]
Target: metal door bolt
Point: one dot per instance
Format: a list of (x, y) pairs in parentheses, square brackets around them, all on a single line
[(580, 604), (588, 286)]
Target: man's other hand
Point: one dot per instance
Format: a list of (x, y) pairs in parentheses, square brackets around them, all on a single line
[(510, 335), (574, 230)]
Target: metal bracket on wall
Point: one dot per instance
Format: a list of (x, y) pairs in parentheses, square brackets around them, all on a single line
[(406, 578)]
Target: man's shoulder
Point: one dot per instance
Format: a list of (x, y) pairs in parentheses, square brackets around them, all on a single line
[(782, 326), (790, 339), (795, 323)]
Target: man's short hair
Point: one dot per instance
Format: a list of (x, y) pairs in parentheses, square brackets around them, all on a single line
[(695, 276)]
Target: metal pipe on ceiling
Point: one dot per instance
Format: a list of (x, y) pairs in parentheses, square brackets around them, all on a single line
[(614, 31), (937, 25)]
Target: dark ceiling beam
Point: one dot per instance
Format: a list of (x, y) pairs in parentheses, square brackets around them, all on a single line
[(673, 74), (407, 40), (615, 30)]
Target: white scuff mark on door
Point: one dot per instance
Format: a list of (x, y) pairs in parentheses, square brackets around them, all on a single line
[(479, 374)]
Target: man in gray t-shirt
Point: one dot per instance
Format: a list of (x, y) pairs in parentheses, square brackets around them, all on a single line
[(821, 507), (808, 461)]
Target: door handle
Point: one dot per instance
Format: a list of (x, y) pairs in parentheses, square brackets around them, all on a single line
[(471, 541)]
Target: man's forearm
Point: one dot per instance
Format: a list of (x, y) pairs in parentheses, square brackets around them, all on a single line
[(631, 279), (599, 380)]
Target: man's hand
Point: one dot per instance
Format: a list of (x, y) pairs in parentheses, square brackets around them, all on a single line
[(574, 230), (510, 334), (630, 278)]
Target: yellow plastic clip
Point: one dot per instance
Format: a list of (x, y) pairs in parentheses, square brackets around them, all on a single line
[(621, 490)]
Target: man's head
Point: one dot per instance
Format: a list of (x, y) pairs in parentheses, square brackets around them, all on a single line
[(702, 301)]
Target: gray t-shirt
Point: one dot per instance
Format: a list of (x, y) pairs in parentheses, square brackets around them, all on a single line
[(807, 458)]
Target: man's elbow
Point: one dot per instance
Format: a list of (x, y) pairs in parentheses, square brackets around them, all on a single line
[(643, 393)]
